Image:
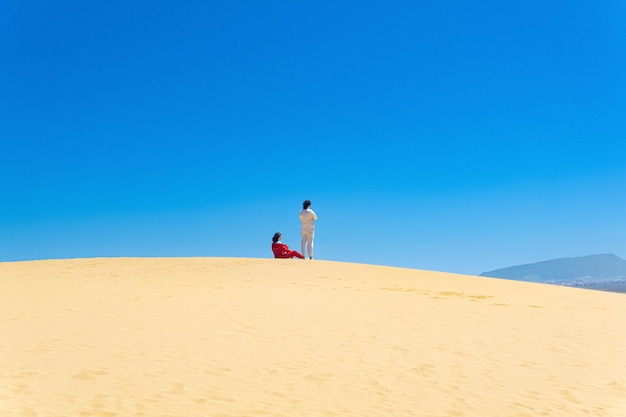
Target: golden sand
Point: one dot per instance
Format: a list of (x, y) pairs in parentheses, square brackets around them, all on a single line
[(216, 337)]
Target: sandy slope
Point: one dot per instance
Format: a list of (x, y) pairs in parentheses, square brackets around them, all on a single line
[(264, 337)]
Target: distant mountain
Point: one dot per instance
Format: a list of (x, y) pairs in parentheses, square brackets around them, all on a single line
[(582, 271)]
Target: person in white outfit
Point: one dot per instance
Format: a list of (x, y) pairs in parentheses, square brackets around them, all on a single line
[(307, 217)]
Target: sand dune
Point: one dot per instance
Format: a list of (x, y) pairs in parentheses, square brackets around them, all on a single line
[(265, 337)]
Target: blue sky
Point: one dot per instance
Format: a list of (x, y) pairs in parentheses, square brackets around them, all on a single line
[(452, 136)]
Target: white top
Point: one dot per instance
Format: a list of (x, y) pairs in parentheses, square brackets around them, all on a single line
[(308, 217)]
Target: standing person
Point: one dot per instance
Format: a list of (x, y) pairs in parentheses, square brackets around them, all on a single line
[(281, 250), (307, 217)]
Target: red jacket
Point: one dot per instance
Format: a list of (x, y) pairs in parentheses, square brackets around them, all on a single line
[(280, 249)]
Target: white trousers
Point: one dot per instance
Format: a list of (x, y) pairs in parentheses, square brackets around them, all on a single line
[(307, 242)]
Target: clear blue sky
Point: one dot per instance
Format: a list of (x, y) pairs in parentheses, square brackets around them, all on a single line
[(454, 136)]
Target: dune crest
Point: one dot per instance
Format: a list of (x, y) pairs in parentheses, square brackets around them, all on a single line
[(268, 337)]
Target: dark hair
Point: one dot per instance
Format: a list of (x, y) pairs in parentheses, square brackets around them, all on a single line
[(276, 237), (306, 204)]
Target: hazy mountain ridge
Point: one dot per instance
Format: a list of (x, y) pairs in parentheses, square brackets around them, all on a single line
[(585, 271)]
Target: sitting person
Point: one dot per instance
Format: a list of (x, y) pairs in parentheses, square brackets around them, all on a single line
[(281, 250)]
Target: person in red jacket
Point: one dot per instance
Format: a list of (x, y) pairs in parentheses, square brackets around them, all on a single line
[(281, 250)]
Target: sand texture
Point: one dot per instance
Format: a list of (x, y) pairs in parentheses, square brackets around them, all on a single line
[(186, 337)]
